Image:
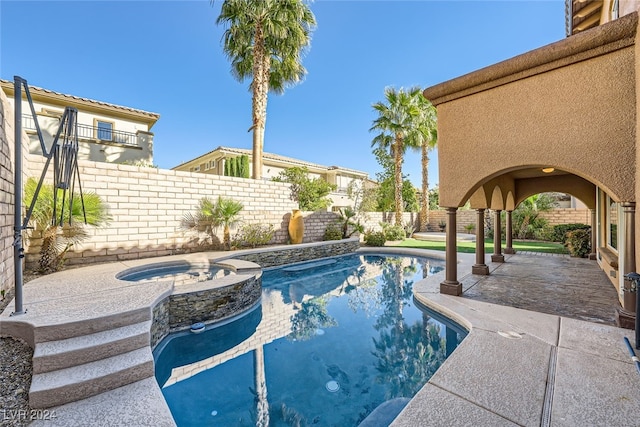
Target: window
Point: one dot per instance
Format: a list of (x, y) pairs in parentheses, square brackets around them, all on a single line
[(105, 130), (612, 223)]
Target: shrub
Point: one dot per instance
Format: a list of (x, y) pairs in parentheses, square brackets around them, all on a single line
[(393, 232), (253, 235), (560, 231), (579, 242), (409, 229), (333, 232), (375, 238)]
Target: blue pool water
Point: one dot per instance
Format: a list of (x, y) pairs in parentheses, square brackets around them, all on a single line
[(331, 341), (180, 272)]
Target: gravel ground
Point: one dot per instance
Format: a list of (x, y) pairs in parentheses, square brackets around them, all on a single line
[(15, 377)]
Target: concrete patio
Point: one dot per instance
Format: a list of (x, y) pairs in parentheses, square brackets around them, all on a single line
[(516, 366)]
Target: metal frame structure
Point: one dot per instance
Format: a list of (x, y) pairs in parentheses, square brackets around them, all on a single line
[(64, 152)]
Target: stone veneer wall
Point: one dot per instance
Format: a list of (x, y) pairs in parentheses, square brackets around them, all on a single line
[(182, 309), (301, 252)]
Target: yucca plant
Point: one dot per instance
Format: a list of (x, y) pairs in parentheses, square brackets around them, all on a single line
[(58, 239), (210, 215)]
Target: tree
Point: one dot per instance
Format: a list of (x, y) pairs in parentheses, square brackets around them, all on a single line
[(265, 41), (385, 197), (311, 194), (400, 123), (210, 215), (58, 239), (428, 134)]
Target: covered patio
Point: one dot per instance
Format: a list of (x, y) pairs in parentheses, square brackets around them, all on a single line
[(560, 118)]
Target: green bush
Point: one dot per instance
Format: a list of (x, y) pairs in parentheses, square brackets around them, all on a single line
[(579, 242), (559, 233), (252, 235), (394, 232), (333, 232), (375, 238)]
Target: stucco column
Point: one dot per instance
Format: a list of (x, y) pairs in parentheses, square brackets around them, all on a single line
[(480, 267), (593, 255), (509, 235), (629, 213), (497, 238), (451, 286)]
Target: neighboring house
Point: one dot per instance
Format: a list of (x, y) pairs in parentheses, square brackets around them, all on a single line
[(563, 118), (213, 163), (106, 132)]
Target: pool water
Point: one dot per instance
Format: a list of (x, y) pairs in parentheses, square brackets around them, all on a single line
[(330, 342), (181, 273)]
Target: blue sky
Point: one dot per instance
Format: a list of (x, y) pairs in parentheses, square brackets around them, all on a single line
[(166, 57)]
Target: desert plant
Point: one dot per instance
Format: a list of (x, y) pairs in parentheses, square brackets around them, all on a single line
[(469, 228), (60, 235), (409, 229), (349, 226), (375, 238), (393, 232), (210, 215), (333, 232), (442, 225), (579, 242), (252, 235)]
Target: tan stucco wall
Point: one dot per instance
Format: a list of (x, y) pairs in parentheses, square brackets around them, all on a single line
[(526, 124), (570, 105)]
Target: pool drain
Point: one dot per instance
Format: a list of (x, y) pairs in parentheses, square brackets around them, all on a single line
[(319, 331), (214, 413), (332, 386)]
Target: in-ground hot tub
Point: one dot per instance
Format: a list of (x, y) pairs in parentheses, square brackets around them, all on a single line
[(181, 272)]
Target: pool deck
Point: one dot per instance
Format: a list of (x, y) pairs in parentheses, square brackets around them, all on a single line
[(516, 366)]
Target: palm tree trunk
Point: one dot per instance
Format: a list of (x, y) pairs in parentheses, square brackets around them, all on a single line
[(48, 251), (260, 88), (424, 204), (397, 154)]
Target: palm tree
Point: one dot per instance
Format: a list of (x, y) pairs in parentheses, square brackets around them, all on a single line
[(265, 40), (225, 214), (59, 236), (429, 135), (399, 123), (210, 215)]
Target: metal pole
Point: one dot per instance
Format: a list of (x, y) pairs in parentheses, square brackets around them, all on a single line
[(18, 250), (637, 316)]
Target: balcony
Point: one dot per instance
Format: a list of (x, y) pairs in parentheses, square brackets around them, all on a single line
[(93, 133)]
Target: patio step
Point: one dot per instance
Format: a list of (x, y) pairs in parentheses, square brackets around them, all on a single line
[(60, 354), (66, 328), (84, 380)]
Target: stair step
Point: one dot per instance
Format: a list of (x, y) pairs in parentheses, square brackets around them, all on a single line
[(88, 326), (79, 382), (54, 355)]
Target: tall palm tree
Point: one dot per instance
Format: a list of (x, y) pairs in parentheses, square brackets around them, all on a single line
[(428, 133), (399, 123), (265, 40), (57, 238)]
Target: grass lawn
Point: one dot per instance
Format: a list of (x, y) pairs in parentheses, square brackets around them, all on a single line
[(470, 247)]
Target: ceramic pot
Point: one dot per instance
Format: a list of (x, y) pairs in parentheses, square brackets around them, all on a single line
[(296, 227)]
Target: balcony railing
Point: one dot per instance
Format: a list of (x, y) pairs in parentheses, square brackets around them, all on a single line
[(92, 132)]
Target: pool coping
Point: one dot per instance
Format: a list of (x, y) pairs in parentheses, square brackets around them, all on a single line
[(503, 389)]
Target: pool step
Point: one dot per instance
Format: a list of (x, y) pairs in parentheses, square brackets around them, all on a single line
[(60, 354), (88, 379)]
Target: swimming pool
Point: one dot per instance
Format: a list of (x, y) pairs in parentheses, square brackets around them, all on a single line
[(331, 341)]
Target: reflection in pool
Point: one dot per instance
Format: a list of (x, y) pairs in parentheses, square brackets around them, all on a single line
[(329, 343)]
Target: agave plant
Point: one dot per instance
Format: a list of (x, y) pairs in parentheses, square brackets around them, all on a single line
[(58, 237), (210, 215)]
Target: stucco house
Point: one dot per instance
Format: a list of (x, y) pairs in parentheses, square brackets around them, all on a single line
[(562, 118), (272, 164), (107, 132)]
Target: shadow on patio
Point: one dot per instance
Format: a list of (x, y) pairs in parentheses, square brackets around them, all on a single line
[(559, 285)]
